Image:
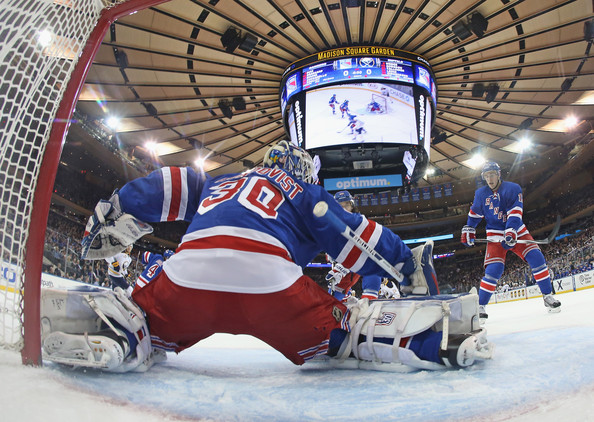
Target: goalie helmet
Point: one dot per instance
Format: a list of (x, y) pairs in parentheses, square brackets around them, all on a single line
[(490, 166), (293, 159)]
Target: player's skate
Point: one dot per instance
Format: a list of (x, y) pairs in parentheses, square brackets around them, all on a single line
[(97, 328), (381, 331), (552, 304), (423, 280)]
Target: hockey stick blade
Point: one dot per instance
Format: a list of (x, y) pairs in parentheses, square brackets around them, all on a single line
[(321, 210), (546, 241)]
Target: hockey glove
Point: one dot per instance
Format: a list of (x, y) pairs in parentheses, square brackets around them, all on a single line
[(511, 238), (109, 230), (335, 275), (468, 235)]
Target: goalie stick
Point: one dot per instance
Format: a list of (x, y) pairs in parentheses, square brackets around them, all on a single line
[(546, 241), (321, 211)]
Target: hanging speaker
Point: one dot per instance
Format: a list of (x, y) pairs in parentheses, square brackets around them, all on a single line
[(248, 42), (225, 107), (478, 90), (461, 30), (478, 24), (231, 39), (238, 103)]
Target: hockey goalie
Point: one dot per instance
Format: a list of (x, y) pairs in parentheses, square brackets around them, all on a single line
[(238, 270)]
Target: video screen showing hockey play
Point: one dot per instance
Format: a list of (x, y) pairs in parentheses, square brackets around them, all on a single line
[(191, 229), (362, 102), (358, 113)]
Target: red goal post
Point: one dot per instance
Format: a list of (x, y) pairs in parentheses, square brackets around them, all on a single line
[(47, 49)]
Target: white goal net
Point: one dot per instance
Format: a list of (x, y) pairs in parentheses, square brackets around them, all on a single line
[(46, 49)]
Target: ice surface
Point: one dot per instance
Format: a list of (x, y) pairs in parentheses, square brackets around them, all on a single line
[(542, 371)]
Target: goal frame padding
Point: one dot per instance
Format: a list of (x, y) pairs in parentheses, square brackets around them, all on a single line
[(31, 352)]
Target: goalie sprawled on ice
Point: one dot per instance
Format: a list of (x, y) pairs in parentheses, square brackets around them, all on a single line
[(238, 270)]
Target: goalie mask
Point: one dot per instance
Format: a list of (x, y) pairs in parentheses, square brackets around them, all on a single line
[(293, 159)]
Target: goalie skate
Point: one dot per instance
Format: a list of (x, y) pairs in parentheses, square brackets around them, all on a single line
[(103, 350)]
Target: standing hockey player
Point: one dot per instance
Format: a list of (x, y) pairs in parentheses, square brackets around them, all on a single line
[(344, 108), (153, 265), (357, 127), (500, 203), (118, 269), (332, 103), (238, 270)]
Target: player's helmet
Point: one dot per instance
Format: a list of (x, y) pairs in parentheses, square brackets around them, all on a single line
[(168, 253), (293, 159), (491, 166), (343, 196)]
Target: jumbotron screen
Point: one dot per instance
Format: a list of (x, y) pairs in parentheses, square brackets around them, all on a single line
[(359, 95)]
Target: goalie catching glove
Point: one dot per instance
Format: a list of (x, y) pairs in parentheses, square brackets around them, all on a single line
[(109, 230)]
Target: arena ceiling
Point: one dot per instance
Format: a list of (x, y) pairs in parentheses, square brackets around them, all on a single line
[(164, 70)]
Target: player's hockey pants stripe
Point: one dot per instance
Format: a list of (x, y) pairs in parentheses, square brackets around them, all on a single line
[(312, 352), (235, 243)]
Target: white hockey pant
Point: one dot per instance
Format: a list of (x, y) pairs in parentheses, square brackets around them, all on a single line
[(88, 327)]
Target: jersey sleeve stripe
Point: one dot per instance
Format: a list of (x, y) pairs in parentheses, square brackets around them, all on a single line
[(175, 194), (166, 174), (473, 214), (183, 205), (373, 240), (515, 212)]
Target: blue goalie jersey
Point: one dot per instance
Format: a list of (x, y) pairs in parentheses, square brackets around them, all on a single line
[(251, 232), (501, 209)]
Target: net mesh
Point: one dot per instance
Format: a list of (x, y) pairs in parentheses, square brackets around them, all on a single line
[(40, 42)]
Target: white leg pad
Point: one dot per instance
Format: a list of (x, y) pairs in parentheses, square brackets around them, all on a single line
[(395, 319), (86, 312)]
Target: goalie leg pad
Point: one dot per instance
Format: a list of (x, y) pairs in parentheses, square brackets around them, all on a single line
[(383, 323), (87, 312)]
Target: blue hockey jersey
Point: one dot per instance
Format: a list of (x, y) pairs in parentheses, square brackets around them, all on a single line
[(501, 209), (153, 265), (251, 232)]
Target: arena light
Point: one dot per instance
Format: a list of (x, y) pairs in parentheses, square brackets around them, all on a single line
[(429, 172), (45, 37), (151, 146), (524, 144), (570, 122), (199, 162), (113, 122), (476, 161)]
